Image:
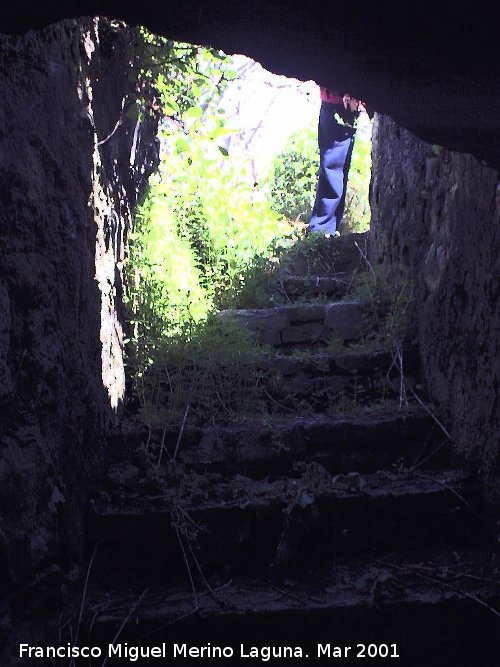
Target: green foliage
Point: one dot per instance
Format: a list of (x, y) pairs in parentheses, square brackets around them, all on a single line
[(294, 176), (309, 255), (389, 300), (292, 254), (180, 78), (357, 208), (205, 240), (202, 231), (216, 368), (254, 287)]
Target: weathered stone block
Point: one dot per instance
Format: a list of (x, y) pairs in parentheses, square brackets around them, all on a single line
[(345, 319), (269, 337), (307, 312), (305, 333), (258, 319), (437, 214)]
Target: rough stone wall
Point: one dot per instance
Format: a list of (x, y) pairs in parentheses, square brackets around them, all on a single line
[(64, 214), (438, 213)]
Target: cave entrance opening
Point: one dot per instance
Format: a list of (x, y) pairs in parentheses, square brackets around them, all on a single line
[(229, 206)]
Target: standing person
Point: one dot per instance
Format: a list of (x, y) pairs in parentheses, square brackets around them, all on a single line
[(336, 140)]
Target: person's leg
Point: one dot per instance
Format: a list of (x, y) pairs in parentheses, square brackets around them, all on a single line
[(335, 146)]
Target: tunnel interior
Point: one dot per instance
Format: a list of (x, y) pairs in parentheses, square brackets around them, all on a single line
[(72, 470)]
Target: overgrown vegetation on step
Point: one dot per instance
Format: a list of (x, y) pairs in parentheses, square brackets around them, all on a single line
[(201, 226), (388, 312), (205, 240), (213, 371)]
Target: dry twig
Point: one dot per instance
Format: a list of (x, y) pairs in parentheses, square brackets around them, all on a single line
[(125, 621), (191, 580), (368, 263), (179, 438), (82, 604), (434, 580)]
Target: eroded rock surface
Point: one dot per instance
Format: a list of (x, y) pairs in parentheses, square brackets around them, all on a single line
[(66, 206), (437, 214)]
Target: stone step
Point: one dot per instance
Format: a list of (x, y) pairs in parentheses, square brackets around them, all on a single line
[(241, 525), (304, 394), (348, 362), (301, 323), (310, 383), (322, 256), (326, 382), (423, 607), (366, 442), (335, 287)]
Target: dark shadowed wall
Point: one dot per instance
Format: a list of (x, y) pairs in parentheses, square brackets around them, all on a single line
[(64, 214), (437, 213)]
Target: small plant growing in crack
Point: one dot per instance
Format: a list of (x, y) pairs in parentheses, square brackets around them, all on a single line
[(388, 308), (278, 444), (335, 344)]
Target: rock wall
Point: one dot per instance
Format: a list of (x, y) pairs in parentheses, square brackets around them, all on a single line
[(437, 213), (66, 192)]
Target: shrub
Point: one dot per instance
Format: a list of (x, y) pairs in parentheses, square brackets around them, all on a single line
[(294, 176), (201, 229), (216, 368)]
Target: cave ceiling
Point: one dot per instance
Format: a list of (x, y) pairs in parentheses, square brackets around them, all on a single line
[(432, 66)]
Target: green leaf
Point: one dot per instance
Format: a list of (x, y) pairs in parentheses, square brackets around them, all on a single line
[(220, 132), (193, 113), (182, 144), (223, 150), (170, 109)]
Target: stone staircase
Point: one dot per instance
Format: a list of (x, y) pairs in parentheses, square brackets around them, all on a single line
[(304, 526), (302, 323)]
